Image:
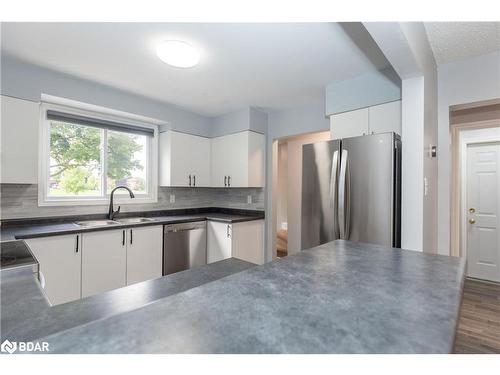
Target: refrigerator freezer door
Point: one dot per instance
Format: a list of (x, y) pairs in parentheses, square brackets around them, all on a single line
[(320, 168), (370, 196)]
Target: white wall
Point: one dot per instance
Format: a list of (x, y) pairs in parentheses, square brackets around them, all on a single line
[(466, 81), (406, 46)]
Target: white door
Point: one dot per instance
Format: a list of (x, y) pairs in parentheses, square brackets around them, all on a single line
[(144, 253), (104, 261), (200, 161), (349, 124), (385, 118), (60, 260), (218, 241), (483, 211), (220, 156)]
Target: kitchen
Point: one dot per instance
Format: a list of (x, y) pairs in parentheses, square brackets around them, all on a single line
[(141, 217)]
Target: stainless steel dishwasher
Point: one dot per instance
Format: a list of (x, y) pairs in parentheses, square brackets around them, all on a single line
[(184, 246)]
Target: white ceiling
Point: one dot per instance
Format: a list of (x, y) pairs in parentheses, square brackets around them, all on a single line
[(272, 66), (451, 41)]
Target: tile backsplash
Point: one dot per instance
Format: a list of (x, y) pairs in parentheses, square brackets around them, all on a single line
[(21, 201)]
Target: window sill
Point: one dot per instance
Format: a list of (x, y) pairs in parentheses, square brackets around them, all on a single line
[(95, 201)]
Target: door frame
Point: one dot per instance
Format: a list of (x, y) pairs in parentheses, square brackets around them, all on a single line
[(458, 231)]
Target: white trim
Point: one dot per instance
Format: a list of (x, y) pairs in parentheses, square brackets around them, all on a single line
[(44, 149), (464, 144)]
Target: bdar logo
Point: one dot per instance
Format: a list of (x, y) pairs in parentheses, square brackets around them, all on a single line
[(9, 347)]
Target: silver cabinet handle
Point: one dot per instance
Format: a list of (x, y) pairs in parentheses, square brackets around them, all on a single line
[(131, 236), (344, 196), (225, 180), (228, 180), (41, 279), (123, 237), (194, 180), (189, 180), (77, 243), (334, 193), (228, 231)]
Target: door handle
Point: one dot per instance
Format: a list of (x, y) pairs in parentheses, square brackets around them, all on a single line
[(225, 180), (334, 193), (189, 180), (472, 210), (344, 196), (472, 221), (194, 180)]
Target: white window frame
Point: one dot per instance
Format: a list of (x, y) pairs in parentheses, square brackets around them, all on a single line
[(104, 114)]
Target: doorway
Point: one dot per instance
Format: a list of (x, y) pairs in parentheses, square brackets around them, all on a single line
[(288, 192), (475, 198)]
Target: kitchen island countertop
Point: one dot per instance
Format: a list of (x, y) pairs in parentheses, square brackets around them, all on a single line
[(340, 297)]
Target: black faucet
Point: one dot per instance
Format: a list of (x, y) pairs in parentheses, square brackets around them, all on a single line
[(111, 213)]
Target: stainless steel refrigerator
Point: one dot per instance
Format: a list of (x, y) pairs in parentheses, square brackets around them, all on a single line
[(351, 189)]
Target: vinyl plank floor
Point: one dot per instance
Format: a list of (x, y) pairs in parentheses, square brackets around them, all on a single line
[(478, 330)]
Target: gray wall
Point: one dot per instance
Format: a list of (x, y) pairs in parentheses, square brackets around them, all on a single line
[(21, 201), (27, 81)]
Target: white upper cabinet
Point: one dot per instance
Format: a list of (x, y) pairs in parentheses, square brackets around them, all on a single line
[(19, 145), (385, 118), (184, 160), (371, 120), (349, 124), (238, 160)]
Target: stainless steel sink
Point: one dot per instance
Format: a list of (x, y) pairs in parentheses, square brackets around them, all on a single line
[(95, 223), (134, 220)]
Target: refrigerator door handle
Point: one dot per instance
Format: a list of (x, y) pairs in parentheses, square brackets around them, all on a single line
[(334, 193), (344, 196)]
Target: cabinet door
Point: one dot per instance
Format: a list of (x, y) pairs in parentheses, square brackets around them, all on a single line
[(104, 261), (385, 118), (256, 159), (248, 241), (60, 260), (19, 141), (237, 156), (218, 241), (349, 124), (181, 158), (144, 253), (200, 161), (220, 156)]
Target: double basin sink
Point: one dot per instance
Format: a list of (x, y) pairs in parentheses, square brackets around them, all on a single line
[(105, 223)]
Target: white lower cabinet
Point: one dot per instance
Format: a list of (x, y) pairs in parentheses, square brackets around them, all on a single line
[(60, 259), (104, 261), (144, 253), (243, 240)]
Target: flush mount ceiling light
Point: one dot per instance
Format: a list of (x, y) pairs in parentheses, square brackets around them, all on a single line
[(177, 53)]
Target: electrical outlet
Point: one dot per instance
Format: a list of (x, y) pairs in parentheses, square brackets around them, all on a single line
[(172, 198), (249, 199)]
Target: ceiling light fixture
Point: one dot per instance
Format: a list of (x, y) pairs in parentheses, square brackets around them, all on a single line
[(177, 53)]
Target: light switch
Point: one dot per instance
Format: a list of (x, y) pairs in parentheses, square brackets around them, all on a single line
[(249, 199), (172, 198)]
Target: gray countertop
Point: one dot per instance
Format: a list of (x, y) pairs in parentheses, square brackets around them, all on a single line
[(50, 229), (26, 314), (341, 297)]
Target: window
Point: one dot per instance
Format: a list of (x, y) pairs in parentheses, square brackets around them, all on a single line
[(85, 155)]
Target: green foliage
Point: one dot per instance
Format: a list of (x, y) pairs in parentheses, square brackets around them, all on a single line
[(76, 153), (121, 148), (78, 179)]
